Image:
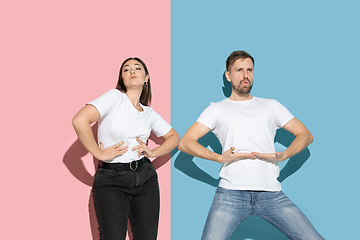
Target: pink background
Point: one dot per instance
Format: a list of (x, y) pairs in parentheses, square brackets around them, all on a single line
[(55, 57)]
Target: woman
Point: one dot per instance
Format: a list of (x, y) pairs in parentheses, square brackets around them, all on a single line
[(125, 184)]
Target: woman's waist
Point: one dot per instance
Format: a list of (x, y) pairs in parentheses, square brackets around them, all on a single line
[(122, 166)]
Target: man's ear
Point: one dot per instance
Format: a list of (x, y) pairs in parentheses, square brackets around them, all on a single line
[(227, 75)]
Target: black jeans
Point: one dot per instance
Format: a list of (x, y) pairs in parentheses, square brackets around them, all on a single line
[(127, 194)]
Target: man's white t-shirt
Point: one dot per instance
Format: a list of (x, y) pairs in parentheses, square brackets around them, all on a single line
[(120, 121), (248, 126)]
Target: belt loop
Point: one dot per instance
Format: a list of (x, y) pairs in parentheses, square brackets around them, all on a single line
[(136, 166)]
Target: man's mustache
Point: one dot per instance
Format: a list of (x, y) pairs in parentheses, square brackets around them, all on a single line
[(245, 79)]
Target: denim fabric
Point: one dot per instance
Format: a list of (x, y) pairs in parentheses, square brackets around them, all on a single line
[(122, 195), (231, 207)]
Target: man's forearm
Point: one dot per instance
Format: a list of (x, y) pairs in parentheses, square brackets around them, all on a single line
[(300, 143), (195, 149)]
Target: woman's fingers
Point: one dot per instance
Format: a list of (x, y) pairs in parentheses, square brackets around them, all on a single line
[(141, 145), (139, 141), (113, 151), (119, 149)]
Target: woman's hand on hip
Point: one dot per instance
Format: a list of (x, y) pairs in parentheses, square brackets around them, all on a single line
[(143, 149), (111, 152)]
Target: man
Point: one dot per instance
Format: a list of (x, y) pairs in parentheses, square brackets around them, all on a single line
[(246, 126)]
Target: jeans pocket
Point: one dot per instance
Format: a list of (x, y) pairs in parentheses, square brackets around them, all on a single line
[(149, 165), (102, 172), (145, 172)]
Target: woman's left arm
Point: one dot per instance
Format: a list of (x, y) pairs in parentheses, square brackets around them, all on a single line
[(171, 138)]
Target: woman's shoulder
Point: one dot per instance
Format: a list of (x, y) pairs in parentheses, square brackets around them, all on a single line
[(151, 112), (114, 94)]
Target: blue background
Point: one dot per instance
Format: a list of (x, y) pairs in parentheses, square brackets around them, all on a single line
[(307, 57)]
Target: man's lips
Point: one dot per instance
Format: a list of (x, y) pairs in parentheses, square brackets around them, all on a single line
[(245, 81)]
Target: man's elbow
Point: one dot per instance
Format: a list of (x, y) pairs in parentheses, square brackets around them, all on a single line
[(311, 138), (182, 145)]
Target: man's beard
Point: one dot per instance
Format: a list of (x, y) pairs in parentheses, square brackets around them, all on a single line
[(242, 90)]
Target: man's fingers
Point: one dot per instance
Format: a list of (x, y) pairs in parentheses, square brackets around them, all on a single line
[(231, 150)]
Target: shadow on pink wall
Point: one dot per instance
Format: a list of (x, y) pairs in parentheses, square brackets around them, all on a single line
[(73, 162)]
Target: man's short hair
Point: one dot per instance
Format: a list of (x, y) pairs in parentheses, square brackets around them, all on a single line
[(235, 55)]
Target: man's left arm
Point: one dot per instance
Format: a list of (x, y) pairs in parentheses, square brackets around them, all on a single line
[(303, 138)]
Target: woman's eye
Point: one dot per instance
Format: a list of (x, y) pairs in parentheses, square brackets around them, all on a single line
[(138, 68), (125, 70)]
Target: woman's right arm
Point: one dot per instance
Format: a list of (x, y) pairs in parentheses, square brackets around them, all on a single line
[(82, 124)]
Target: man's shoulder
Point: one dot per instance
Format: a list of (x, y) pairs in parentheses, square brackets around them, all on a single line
[(217, 105), (266, 100), (219, 102)]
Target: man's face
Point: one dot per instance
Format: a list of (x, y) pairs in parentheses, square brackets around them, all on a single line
[(241, 75)]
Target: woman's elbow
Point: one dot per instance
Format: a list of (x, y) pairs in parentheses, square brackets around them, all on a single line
[(77, 121), (176, 139), (74, 121)]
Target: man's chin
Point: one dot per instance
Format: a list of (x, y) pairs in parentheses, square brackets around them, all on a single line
[(245, 90)]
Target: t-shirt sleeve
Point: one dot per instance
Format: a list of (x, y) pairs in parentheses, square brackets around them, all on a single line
[(159, 126), (207, 117), (283, 115), (106, 102)]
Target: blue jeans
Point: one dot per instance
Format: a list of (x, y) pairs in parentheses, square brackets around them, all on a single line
[(231, 207), (128, 194)]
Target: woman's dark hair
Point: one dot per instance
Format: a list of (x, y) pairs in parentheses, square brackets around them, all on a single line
[(145, 97), (235, 56)]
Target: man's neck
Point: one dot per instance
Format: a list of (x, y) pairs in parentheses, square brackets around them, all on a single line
[(240, 97)]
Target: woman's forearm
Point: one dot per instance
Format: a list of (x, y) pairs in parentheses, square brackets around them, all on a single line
[(86, 137), (171, 141)]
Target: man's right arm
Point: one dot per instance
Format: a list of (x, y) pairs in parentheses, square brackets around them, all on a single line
[(189, 144)]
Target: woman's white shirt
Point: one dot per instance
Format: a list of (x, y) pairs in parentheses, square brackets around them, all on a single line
[(121, 121)]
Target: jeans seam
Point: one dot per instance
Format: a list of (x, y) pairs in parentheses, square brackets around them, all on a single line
[(237, 226), (276, 225), (99, 218)]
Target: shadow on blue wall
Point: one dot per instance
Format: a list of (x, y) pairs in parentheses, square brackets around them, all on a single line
[(252, 227)]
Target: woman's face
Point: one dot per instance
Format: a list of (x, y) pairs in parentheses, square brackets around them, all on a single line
[(133, 74)]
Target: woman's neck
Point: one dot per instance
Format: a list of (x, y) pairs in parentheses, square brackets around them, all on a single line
[(134, 96)]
